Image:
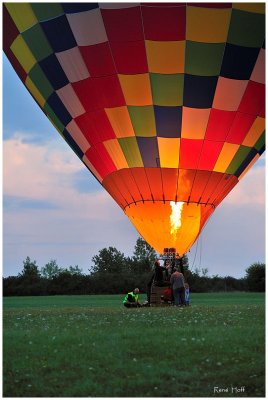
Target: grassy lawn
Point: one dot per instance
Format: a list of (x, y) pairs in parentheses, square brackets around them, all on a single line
[(91, 346)]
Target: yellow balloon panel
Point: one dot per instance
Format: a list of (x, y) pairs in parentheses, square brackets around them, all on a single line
[(164, 104), (153, 222)]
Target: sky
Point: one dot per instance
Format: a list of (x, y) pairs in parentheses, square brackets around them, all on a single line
[(53, 207)]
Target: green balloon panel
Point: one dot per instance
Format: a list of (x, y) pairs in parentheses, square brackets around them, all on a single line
[(161, 101)]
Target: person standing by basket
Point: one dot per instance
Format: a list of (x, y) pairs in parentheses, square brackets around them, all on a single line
[(187, 294), (177, 284)]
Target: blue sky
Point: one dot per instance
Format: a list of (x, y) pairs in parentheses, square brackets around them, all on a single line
[(53, 208)]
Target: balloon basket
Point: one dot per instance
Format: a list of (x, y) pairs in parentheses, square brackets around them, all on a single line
[(156, 296)]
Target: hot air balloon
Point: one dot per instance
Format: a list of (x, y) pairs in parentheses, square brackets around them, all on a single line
[(162, 102)]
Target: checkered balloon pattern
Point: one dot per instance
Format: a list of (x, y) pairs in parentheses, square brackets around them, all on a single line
[(162, 102)]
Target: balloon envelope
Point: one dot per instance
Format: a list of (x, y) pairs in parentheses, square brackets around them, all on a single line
[(163, 102)]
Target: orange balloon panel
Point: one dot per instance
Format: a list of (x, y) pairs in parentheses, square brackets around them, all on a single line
[(163, 102), (152, 220)]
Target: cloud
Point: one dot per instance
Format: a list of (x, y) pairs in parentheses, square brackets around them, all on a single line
[(13, 203), (250, 190), (33, 170), (50, 173), (47, 214), (234, 236)]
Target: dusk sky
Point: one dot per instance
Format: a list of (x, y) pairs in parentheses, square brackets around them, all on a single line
[(54, 208)]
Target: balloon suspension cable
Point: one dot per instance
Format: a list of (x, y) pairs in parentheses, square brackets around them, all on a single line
[(198, 247), (197, 243), (200, 252)]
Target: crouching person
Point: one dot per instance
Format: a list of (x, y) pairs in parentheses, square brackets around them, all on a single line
[(132, 299)]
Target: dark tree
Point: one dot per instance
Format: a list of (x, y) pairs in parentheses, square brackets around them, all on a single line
[(74, 270), (29, 280), (30, 269), (183, 265), (255, 277), (50, 270), (144, 252), (143, 258), (108, 260)]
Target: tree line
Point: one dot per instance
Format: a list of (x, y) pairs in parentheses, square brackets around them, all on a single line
[(112, 272)]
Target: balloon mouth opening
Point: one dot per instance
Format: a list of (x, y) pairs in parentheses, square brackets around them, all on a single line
[(167, 225)]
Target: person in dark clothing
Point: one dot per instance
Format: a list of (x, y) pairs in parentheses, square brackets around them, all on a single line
[(177, 284), (158, 274), (156, 278), (168, 270)]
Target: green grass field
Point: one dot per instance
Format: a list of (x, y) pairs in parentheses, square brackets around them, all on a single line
[(91, 346)]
